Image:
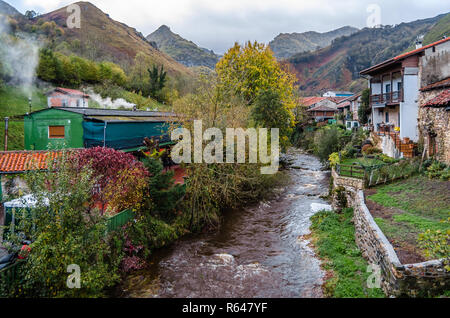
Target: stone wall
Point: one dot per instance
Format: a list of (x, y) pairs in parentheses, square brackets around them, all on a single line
[(346, 182), (413, 280), (434, 127)]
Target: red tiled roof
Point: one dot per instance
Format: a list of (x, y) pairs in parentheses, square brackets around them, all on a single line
[(309, 101), (441, 84), (69, 91), (344, 104), (443, 99), (337, 100), (21, 161), (403, 56), (322, 108)]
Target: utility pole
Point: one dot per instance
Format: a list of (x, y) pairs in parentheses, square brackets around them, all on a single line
[(6, 132)]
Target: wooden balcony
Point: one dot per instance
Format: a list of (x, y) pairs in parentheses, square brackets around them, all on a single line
[(387, 98)]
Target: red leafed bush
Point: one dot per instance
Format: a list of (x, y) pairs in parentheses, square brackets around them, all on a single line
[(121, 179)]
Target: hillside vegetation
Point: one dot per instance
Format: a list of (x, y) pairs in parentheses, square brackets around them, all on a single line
[(183, 51), (286, 45), (338, 65)]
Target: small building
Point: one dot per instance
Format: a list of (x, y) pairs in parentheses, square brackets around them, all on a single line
[(314, 101), (322, 113), (66, 127), (434, 120), (337, 94), (65, 97)]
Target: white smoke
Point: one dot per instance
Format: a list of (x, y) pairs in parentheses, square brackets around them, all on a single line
[(109, 103), (19, 57)]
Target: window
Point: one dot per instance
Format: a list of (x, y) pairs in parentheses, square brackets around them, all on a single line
[(388, 88), (387, 117), (399, 86), (65, 103), (56, 132)]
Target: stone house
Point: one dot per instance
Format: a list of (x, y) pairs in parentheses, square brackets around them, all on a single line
[(434, 120), (65, 97), (394, 93)]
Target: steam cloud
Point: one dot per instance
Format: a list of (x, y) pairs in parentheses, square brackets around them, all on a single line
[(19, 57), (109, 103)]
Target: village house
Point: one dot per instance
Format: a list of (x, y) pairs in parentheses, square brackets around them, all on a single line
[(89, 127), (349, 108), (322, 113), (65, 97), (394, 94)]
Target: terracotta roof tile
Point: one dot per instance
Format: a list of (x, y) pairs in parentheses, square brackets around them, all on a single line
[(401, 56), (443, 99), (21, 161), (309, 101), (344, 104), (322, 108)]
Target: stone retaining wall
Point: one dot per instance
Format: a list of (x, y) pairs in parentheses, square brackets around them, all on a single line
[(413, 280), (345, 182)]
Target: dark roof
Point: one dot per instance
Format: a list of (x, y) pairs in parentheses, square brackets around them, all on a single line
[(116, 112), (322, 108), (401, 57), (441, 84), (68, 91)]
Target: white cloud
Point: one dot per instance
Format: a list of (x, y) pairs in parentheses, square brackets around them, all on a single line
[(216, 24)]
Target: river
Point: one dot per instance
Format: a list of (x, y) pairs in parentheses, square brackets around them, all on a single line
[(259, 251)]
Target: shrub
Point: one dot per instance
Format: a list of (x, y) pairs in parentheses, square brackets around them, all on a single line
[(371, 151), (436, 244), (438, 170)]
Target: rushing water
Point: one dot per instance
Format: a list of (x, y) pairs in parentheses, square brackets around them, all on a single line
[(259, 251)]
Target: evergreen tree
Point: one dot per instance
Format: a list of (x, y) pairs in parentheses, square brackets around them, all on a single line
[(158, 79)]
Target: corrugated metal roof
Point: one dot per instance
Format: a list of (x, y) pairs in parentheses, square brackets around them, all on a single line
[(116, 112), (119, 119)]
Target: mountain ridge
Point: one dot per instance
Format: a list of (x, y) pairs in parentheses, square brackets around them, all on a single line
[(286, 45), (183, 51), (7, 9)]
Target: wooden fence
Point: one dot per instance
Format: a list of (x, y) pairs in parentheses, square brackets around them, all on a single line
[(11, 274)]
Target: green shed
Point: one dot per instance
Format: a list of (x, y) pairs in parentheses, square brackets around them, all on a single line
[(91, 127)]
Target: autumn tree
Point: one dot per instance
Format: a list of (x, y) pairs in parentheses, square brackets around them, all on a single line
[(251, 71)]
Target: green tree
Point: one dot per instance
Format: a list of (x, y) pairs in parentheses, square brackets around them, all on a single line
[(158, 79), (365, 110)]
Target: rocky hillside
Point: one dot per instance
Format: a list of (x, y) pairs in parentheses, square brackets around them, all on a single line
[(286, 45), (182, 50), (338, 65), (7, 9), (102, 38)]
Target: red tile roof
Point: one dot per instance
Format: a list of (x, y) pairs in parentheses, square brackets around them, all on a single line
[(402, 56), (443, 99), (69, 91), (322, 108), (344, 104), (21, 161), (441, 84), (309, 101)]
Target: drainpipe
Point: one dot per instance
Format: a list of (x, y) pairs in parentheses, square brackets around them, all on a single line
[(104, 134), (6, 132)]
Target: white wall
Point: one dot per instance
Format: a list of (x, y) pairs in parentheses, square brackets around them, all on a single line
[(409, 109)]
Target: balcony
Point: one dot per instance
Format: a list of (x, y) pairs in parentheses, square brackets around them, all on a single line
[(387, 98)]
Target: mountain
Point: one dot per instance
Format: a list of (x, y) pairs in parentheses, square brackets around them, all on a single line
[(102, 38), (338, 65), (7, 9), (182, 50), (286, 45)]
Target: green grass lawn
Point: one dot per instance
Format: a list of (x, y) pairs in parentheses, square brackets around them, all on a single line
[(14, 102), (334, 240), (410, 207)]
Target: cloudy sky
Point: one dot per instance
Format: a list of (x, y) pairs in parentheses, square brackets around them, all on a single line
[(217, 24)]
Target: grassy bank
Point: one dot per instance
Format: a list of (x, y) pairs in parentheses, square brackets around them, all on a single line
[(14, 102), (407, 208), (334, 240)]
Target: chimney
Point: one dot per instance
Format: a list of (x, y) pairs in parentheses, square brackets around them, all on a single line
[(6, 133), (419, 42)]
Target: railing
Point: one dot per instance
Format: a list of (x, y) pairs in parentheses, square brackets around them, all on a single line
[(392, 97), (116, 222), (10, 275), (351, 171)]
